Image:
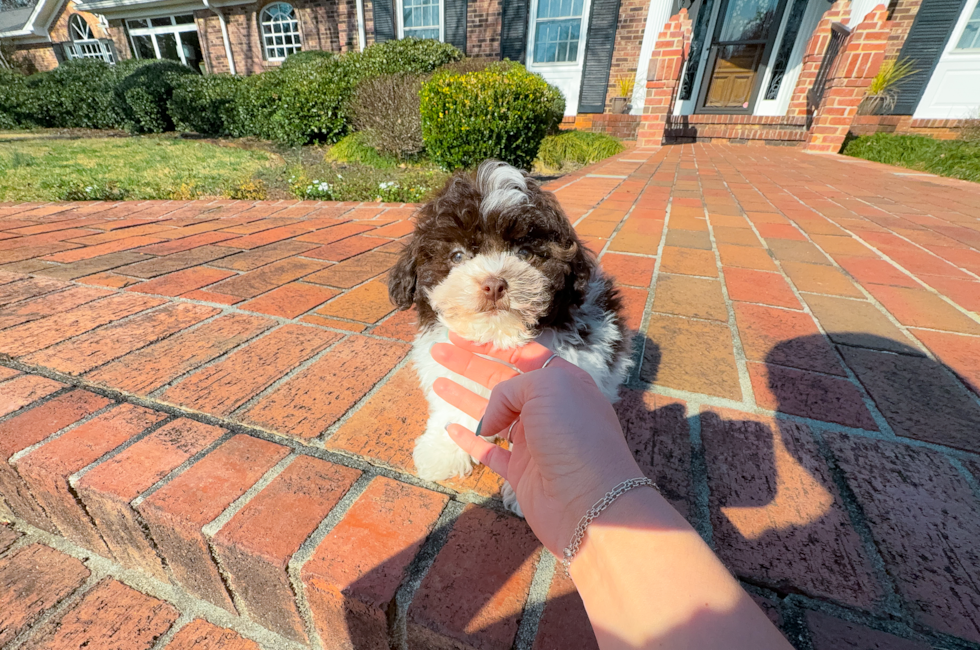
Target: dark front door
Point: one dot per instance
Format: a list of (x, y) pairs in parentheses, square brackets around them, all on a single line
[(743, 38)]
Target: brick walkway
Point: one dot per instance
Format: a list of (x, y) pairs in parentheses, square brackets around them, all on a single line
[(207, 414)]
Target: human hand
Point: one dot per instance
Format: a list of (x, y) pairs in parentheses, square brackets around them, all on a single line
[(567, 447)]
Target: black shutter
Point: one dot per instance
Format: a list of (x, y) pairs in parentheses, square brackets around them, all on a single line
[(456, 23), (926, 41), (598, 55), (513, 29), (384, 21)]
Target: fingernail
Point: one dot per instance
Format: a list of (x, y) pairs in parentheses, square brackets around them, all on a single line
[(479, 425)]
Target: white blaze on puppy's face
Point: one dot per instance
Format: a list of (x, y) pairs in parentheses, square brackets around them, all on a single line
[(492, 298)]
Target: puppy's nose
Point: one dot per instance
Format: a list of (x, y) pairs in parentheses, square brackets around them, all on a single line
[(494, 289)]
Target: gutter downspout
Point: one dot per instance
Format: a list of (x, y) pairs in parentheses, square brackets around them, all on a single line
[(361, 37), (224, 35)]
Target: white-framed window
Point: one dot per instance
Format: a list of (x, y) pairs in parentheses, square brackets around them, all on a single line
[(166, 37), (421, 19), (558, 33), (970, 38), (280, 31), (83, 43)]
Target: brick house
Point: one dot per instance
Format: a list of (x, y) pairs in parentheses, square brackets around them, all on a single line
[(796, 71), (45, 32), (740, 70)]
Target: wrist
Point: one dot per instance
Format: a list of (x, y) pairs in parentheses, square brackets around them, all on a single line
[(592, 493)]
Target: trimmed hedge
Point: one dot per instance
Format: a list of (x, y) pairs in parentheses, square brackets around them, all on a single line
[(501, 112), (143, 94), (204, 104), (86, 93), (306, 100), (76, 94)]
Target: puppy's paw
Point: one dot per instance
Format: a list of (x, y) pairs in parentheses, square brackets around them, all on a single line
[(510, 500), (437, 457)]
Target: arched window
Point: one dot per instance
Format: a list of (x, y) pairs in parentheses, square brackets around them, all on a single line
[(83, 44), (280, 31), (79, 30)]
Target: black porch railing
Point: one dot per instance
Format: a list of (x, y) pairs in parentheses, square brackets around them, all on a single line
[(838, 35)]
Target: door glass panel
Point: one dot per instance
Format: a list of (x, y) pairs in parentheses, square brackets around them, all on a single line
[(970, 40), (168, 46), (748, 20), (186, 19), (161, 22), (733, 77), (191, 46), (143, 46), (137, 23)]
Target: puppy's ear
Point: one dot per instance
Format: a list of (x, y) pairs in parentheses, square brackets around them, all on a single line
[(402, 277)]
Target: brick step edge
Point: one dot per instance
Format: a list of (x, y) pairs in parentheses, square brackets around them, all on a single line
[(315, 552)]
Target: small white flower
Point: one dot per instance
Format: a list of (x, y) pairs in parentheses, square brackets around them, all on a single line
[(88, 189)]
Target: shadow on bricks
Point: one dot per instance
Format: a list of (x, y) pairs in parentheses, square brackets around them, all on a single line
[(859, 515)]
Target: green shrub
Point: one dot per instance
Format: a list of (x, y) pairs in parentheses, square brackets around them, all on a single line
[(407, 55), (12, 94), (954, 158), (304, 56), (76, 94), (256, 100), (143, 92), (311, 103), (203, 104), (385, 110), (502, 112), (469, 65), (578, 147), (354, 148)]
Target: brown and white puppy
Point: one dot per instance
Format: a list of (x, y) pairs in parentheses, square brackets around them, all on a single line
[(495, 260)]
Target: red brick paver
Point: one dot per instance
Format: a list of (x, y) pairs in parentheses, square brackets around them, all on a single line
[(216, 395)]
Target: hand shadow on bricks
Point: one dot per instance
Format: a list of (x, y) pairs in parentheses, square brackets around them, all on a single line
[(777, 511)]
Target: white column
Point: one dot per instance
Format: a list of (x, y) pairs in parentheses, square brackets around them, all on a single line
[(657, 17)]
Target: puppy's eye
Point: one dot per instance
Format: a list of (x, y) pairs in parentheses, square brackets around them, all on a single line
[(456, 257), (524, 253)]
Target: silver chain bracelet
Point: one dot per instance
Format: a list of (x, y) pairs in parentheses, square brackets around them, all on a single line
[(594, 512)]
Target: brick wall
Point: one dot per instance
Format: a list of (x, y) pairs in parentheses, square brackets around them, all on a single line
[(902, 15), (36, 57), (812, 58), (623, 127), (858, 63), (905, 125), (483, 28), (330, 26), (118, 35), (629, 38), (663, 75)]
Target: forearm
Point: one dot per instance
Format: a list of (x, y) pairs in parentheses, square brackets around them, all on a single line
[(649, 581)]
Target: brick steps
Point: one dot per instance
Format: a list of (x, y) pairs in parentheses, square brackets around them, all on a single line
[(302, 546)]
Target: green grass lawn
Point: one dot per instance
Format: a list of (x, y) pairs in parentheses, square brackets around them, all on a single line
[(953, 158), (78, 165), (41, 166)]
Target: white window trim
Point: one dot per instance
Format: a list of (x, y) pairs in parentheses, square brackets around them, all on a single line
[(400, 20), (152, 32), (582, 43), (299, 31), (958, 33)]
